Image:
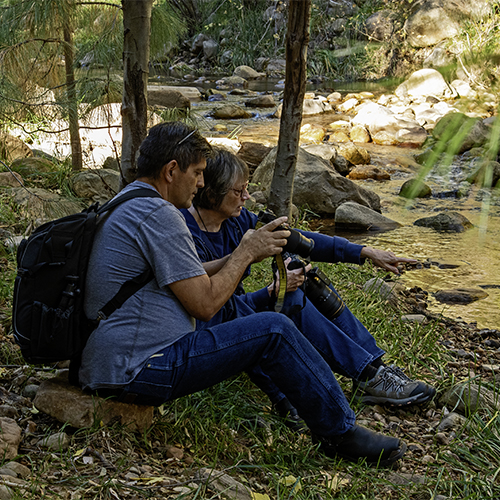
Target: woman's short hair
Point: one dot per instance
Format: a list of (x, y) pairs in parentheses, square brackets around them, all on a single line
[(224, 168), (170, 141)]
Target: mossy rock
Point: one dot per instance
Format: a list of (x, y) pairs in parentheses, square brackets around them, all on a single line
[(33, 165)]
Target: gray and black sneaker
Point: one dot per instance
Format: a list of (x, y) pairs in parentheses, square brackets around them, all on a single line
[(391, 386)]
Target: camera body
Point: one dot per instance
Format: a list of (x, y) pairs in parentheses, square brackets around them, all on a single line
[(297, 243)]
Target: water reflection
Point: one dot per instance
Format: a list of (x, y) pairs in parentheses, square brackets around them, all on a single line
[(475, 252)]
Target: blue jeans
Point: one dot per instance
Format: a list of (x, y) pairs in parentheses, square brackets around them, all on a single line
[(269, 340), (344, 343)]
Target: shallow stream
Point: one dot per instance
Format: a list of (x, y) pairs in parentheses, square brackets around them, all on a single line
[(476, 251)]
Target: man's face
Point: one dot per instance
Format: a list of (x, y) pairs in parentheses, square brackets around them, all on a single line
[(186, 184)]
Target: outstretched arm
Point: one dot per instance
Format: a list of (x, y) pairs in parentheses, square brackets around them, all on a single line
[(385, 259)]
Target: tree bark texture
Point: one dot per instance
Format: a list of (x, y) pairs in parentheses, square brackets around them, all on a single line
[(74, 128), (280, 198), (136, 36)]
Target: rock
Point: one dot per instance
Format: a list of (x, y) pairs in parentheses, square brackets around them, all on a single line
[(253, 153), (210, 49), (348, 105), (10, 180), (414, 188), (224, 484), (70, 404), (381, 25), (309, 107), (359, 133), (452, 222), (97, 185), (6, 493), (247, 73), (32, 165), (191, 93), (342, 166), (385, 138), (362, 172), (354, 154), (10, 437), (11, 147), (276, 66), (262, 101), (56, 442), (232, 81), (389, 291), (487, 175), (43, 205), (357, 217), (111, 163), (463, 89), (414, 318), (325, 151), (8, 411), (312, 133), (413, 137), (467, 397), (18, 469), (339, 136), (167, 97), (460, 295), (422, 83), (439, 58), (317, 184), (230, 112), (452, 421)]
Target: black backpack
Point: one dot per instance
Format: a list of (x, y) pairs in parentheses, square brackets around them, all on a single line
[(48, 319)]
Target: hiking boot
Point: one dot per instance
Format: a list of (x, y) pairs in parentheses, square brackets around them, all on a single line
[(290, 416), (391, 386), (359, 443)]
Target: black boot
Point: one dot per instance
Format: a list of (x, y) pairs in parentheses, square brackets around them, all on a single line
[(361, 443)]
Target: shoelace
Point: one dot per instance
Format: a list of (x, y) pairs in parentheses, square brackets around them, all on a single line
[(400, 373), (390, 381)]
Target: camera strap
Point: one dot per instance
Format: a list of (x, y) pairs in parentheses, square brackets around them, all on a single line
[(280, 297)]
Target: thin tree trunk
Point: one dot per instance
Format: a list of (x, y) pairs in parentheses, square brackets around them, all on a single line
[(280, 198), (74, 127), (136, 36)]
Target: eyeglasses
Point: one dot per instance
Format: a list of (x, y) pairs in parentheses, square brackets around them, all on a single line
[(239, 192)]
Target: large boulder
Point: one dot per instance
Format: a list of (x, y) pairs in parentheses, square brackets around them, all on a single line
[(436, 20), (452, 222), (12, 147), (167, 97), (247, 73), (423, 83), (387, 127), (96, 185), (316, 184), (381, 25), (192, 93), (356, 217)]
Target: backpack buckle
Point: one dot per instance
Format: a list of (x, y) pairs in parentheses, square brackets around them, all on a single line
[(101, 316)]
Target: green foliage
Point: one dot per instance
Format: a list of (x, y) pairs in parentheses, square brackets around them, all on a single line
[(243, 30)]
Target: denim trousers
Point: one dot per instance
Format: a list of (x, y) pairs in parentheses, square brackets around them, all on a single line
[(344, 343), (268, 340)]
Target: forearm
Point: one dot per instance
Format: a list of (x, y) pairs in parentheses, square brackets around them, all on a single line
[(214, 266)]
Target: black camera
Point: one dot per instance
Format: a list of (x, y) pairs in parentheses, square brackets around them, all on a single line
[(317, 289), (296, 243)]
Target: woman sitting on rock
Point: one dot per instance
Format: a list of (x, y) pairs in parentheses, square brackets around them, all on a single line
[(218, 220)]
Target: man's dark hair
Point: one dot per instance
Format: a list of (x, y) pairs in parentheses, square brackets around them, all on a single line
[(170, 141), (224, 168)]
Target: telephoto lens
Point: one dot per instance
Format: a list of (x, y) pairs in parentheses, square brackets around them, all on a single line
[(318, 291)]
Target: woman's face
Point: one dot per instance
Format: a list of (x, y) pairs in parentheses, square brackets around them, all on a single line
[(235, 199)]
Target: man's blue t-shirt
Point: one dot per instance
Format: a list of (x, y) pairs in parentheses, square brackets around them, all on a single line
[(141, 233)]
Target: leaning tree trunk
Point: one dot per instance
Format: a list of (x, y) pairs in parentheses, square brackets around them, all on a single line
[(136, 35), (74, 127), (280, 198)]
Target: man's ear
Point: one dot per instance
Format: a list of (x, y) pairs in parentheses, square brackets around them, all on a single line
[(168, 170)]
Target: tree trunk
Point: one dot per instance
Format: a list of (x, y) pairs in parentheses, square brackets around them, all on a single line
[(280, 198), (136, 35), (74, 127)]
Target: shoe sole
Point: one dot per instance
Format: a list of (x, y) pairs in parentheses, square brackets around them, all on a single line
[(394, 457), (380, 400)]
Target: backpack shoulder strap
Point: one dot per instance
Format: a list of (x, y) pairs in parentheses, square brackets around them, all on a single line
[(129, 195)]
